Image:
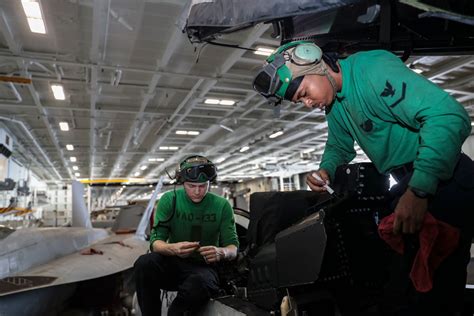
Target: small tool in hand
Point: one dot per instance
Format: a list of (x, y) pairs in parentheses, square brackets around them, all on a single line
[(328, 188)]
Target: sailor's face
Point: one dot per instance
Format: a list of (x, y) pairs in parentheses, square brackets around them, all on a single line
[(196, 191), (314, 92)]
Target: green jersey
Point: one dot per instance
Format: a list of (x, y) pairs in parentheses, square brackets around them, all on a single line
[(396, 116), (211, 222)]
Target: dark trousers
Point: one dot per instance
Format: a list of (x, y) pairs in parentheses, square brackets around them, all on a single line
[(195, 283), (453, 203)]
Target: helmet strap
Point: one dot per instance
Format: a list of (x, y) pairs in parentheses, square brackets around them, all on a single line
[(331, 79)]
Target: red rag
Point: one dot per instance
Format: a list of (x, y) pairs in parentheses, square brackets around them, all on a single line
[(437, 241)]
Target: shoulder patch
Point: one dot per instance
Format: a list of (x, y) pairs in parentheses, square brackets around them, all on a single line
[(391, 92)]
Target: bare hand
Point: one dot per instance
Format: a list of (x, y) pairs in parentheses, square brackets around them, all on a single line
[(316, 185), (184, 249), (212, 253), (409, 213)]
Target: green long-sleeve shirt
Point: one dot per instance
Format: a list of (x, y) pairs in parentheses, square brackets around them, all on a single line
[(396, 116), (211, 222)]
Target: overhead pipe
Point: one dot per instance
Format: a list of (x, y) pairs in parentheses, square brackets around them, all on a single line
[(58, 73), (27, 131), (42, 67), (15, 92), (109, 137)]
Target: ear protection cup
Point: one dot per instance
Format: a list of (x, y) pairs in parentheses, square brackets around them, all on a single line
[(306, 54)]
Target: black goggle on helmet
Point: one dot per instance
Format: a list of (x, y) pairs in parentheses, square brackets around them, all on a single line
[(274, 79), (196, 169)]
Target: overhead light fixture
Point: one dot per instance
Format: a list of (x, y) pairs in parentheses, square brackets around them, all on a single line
[(226, 102), (218, 101), (75, 168), (58, 92), (143, 167), (263, 51), (309, 150), (156, 159), (168, 148), (226, 128), (212, 101), (77, 174), (222, 159), (276, 134), (64, 126), (244, 149), (136, 174), (193, 133), (73, 159), (69, 147), (34, 16)]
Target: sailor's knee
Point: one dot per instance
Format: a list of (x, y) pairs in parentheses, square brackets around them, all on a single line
[(144, 262)]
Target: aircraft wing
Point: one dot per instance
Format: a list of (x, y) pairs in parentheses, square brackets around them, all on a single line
[(343, 26), (119, 253)]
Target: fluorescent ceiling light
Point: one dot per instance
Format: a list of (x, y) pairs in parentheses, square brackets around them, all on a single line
[(168, 148), (245, 148), (36, 26), (143, 167), (156, 159), (222, 159), (69, 147), (77, 174), (32, 9), (417, 70), (309, 150), (64, 126), (75, 168), (73, 159), (212, 101), (33, 15), (136, 174), (276, 134), (226, 102), (181, 132), (263, 51), (58, 92), (472, 123)]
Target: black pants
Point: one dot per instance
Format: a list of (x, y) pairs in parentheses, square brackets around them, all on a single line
[(195, 283), (453, 203)]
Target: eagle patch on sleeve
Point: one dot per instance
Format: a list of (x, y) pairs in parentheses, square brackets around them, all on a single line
[(393, 96)]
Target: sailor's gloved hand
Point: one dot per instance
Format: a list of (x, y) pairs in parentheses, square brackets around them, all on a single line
[(213, 254), (409, 213), (183, 249), (315, 184)]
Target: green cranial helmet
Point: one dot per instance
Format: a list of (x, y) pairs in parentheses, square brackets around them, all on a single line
[(290, 61), (196, 169)]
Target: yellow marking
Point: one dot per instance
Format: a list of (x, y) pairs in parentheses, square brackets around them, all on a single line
[(93, 181), (15, 79), (18, 210)]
